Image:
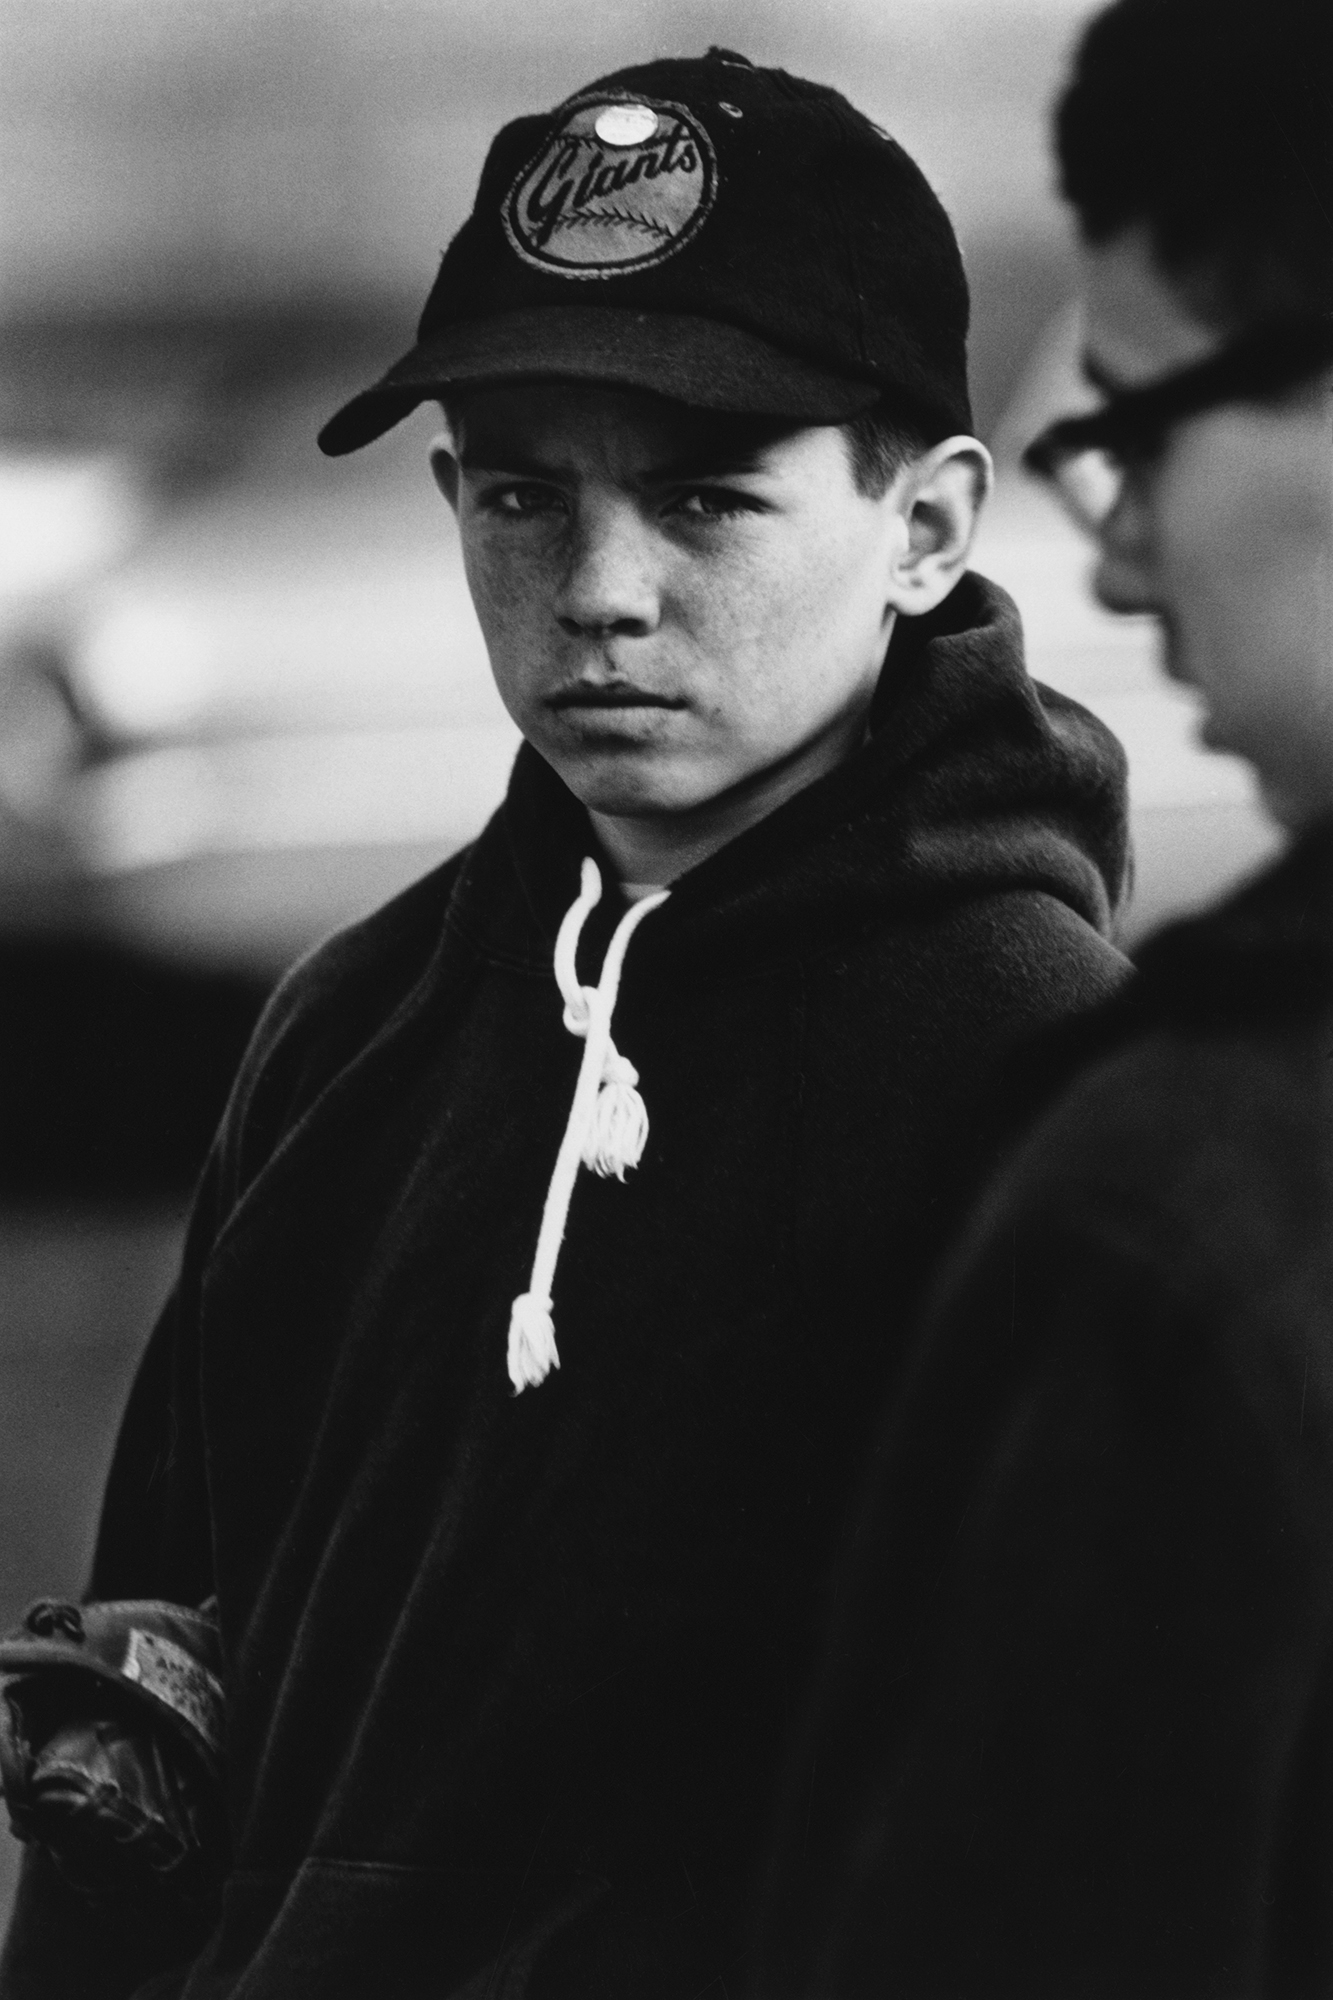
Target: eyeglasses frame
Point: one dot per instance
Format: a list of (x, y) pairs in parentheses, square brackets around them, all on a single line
[(1132, 424)]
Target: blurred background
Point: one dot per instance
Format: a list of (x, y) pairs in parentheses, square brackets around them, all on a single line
[(242, 695)]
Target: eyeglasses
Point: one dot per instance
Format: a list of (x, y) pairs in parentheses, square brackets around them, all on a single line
[(1088, 459)]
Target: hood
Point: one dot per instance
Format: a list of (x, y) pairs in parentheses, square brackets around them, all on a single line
[(974, 781)]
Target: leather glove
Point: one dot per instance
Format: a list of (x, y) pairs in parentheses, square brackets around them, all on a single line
[(111, 1719)]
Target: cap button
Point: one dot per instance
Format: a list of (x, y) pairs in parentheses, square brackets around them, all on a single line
[(625, 124)]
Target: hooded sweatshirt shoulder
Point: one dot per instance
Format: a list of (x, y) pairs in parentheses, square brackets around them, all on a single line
[(327, 1008), (507, 1674)]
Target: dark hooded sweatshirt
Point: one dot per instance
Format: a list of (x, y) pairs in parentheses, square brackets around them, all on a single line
[(508, 1674), (1074, 1734)]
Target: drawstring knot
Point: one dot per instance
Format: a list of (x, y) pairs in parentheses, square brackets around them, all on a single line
[(607, 1128), (619, 1130)]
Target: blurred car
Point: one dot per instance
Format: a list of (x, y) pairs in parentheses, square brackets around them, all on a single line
[(287, 699)]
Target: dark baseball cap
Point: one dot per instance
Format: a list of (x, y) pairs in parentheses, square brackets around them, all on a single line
[(732, 237)]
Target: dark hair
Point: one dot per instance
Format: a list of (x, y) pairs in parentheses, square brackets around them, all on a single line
[(1210, 121), (879, 446)]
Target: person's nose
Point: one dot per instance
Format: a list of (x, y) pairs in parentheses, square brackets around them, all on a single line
[(610, 584), (1122, 579)]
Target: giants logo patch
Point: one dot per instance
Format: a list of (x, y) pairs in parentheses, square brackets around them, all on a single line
[(622, 185)]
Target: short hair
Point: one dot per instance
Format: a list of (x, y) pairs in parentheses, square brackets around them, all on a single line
[(879, 445), (1210, 122)]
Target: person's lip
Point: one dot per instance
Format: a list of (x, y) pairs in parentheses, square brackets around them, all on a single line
[(611, 697)]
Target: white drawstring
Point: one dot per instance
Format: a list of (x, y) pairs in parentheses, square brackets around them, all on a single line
[(607, 1127)]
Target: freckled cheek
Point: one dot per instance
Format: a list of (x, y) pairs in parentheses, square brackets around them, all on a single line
[(769, 661), (512, 607), (822, 607), (729, 637), (785, 598), (495, 579)]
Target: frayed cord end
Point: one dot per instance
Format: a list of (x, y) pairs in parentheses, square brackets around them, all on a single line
[(532, 1351), (619, 1130)]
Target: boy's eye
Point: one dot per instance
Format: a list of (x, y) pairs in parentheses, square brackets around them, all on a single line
[(521, 497), (711, 503)]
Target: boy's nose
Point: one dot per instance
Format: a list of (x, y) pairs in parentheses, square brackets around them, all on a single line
[(609, 584)]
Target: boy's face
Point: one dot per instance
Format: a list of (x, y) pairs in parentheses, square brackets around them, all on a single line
[(679, 607), (1227, 537)]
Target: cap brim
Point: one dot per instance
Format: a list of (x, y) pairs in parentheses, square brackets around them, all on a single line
[(701, 362)]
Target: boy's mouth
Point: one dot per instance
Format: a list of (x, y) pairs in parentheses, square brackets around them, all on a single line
[(611, 697)]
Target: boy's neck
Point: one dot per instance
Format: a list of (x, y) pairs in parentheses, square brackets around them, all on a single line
[(649, 850), (634, 892)]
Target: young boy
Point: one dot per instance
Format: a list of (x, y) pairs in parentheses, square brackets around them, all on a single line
[(1075, 1734), (567, 1215)]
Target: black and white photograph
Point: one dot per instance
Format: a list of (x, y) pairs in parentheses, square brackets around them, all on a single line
[(666, 1000)]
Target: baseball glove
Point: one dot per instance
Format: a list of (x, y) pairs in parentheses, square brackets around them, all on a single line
[(110, 1754)]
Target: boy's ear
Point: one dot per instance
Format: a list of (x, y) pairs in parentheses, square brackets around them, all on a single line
[(940, 497), (445, 467)]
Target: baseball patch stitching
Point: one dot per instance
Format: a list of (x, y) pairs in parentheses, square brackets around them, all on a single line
[(604, 218)]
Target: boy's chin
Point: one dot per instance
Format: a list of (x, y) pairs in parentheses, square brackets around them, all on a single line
[(635, 785)]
